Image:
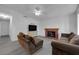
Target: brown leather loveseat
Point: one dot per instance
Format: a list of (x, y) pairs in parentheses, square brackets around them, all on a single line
[(66, 45), (30, 44)]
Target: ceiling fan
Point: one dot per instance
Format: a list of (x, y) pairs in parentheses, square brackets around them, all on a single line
[(37, 11)]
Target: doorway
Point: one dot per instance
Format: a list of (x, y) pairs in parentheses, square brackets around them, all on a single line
[(4, 29)]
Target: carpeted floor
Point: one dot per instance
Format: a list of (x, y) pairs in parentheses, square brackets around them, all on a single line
[(8, 47)]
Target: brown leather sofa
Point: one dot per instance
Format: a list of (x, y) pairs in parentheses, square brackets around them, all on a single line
[(30, 44), (66, 45)]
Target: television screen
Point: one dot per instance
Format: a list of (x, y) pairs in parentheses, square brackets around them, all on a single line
[(32, 27)]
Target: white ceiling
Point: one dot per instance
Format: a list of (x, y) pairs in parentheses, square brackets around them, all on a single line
[(49, 10)]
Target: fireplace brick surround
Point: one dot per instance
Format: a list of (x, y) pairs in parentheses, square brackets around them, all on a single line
[(51, 32)]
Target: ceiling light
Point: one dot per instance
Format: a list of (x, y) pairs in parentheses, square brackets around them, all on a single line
[(4, 16), (37, 11)]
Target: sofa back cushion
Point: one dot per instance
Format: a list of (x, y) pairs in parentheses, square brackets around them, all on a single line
[(26, 38), (75, 40), (20, 36), (71, 35), (31, 39)]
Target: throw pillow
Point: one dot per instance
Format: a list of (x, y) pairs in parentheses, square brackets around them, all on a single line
[(75, 40)]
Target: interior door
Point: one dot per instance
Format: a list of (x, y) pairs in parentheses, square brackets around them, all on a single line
[(5, 28)]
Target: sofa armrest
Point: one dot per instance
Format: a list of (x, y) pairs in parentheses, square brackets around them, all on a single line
[(65, 35), (66, 47)]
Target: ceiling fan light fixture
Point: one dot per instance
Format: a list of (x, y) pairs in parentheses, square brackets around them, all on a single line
[(37, 11)]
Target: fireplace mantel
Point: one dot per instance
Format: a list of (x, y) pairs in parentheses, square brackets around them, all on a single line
[(52, 30)]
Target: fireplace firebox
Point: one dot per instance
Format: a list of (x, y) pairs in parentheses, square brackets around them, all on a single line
[(51, 32)]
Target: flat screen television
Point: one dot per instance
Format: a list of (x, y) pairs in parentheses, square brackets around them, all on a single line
[(32, 27)]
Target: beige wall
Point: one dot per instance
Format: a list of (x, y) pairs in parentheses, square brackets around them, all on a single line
[(66, 24)]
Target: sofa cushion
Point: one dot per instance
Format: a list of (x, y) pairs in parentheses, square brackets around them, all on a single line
[(64, 39), (71, 35), (75, 40), (31, 39), (67, 37), (37, 40)]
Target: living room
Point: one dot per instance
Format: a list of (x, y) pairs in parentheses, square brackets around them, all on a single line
[(49, 24)]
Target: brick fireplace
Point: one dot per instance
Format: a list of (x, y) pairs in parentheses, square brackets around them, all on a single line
[(51, 32)]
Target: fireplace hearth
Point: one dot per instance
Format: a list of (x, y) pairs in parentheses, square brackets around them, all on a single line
[(51, 32)]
